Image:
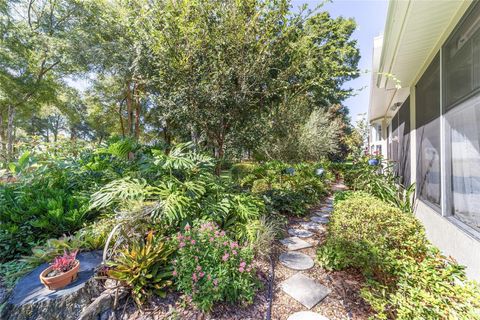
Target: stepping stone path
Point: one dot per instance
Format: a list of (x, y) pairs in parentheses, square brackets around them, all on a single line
[(322, 214), (323, 211), (305, 290), (296, 260), (319, 220), (309, 225), (301, 233), (295, 243), (306, 315)]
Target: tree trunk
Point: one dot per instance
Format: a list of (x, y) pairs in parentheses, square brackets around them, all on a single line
[(219, 153), (137, 112), (10, 132), (73, 139), (167, 137), (121, 119), (73, 133), (128, 99), (194, 136), (2, 134)]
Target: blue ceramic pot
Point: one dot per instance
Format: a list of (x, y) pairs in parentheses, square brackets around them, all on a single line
[(373, 162)]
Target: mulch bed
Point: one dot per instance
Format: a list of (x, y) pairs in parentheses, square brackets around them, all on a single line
[(344, 302)]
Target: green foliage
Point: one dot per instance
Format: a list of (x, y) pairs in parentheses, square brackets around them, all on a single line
[(433, 288), (42, 205), (10, 271), (125, 190), (242, 169), (286, 193), (380, 182), (184, 190), (143, 267), (264, 231), (210, 267), (388, 230), (406, 277)]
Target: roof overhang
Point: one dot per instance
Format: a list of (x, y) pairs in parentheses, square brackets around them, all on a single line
[(414, 31)]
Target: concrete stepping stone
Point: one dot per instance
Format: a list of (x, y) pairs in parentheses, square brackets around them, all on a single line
[(323, 214), (320, 220), (309, 225), (305, 290), (295, 243), (296, 260), (306, 315), (324, 210), (301, 233)]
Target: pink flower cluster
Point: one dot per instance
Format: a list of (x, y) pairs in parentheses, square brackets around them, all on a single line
[(207, 236)]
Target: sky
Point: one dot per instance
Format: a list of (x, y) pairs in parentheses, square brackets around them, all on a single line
[(370, 16)]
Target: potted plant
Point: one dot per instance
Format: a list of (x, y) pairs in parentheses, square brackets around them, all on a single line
[(375, 160), (61, 272)]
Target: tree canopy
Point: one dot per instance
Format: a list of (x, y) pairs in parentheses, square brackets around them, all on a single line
[(239, 78)]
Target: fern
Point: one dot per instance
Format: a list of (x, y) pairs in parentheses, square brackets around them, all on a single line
[(122, 147)]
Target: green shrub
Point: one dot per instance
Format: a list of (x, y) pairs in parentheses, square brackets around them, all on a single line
[(432, 288), (260, 186), (210, 267), (143, 267), (380, 181), (242, 169), (38, 208), (290, 194), (406, 277), (368, 228)]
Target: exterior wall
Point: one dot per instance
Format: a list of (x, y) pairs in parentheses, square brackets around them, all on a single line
[(444, 231), (450, 239)]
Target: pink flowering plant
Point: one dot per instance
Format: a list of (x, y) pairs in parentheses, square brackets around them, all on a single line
[(210, 267)]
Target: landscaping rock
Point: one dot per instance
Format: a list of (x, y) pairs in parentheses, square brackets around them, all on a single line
[(309, 225), (31, 300), (296, 260), (295, 243), (305, 290), (301, 233), (320, 220), (306, 315), (322, 214)]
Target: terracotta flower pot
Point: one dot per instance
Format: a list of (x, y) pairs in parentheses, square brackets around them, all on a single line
[(60, 281)]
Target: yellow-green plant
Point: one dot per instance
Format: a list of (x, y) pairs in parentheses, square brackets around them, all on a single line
[(143, 267), (407, 278)]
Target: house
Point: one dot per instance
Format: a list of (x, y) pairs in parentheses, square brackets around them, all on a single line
[(425, 116)]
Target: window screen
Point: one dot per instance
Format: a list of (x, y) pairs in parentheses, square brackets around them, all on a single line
[(464, 141), (427, 114), (389, 143), (461, 58)]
